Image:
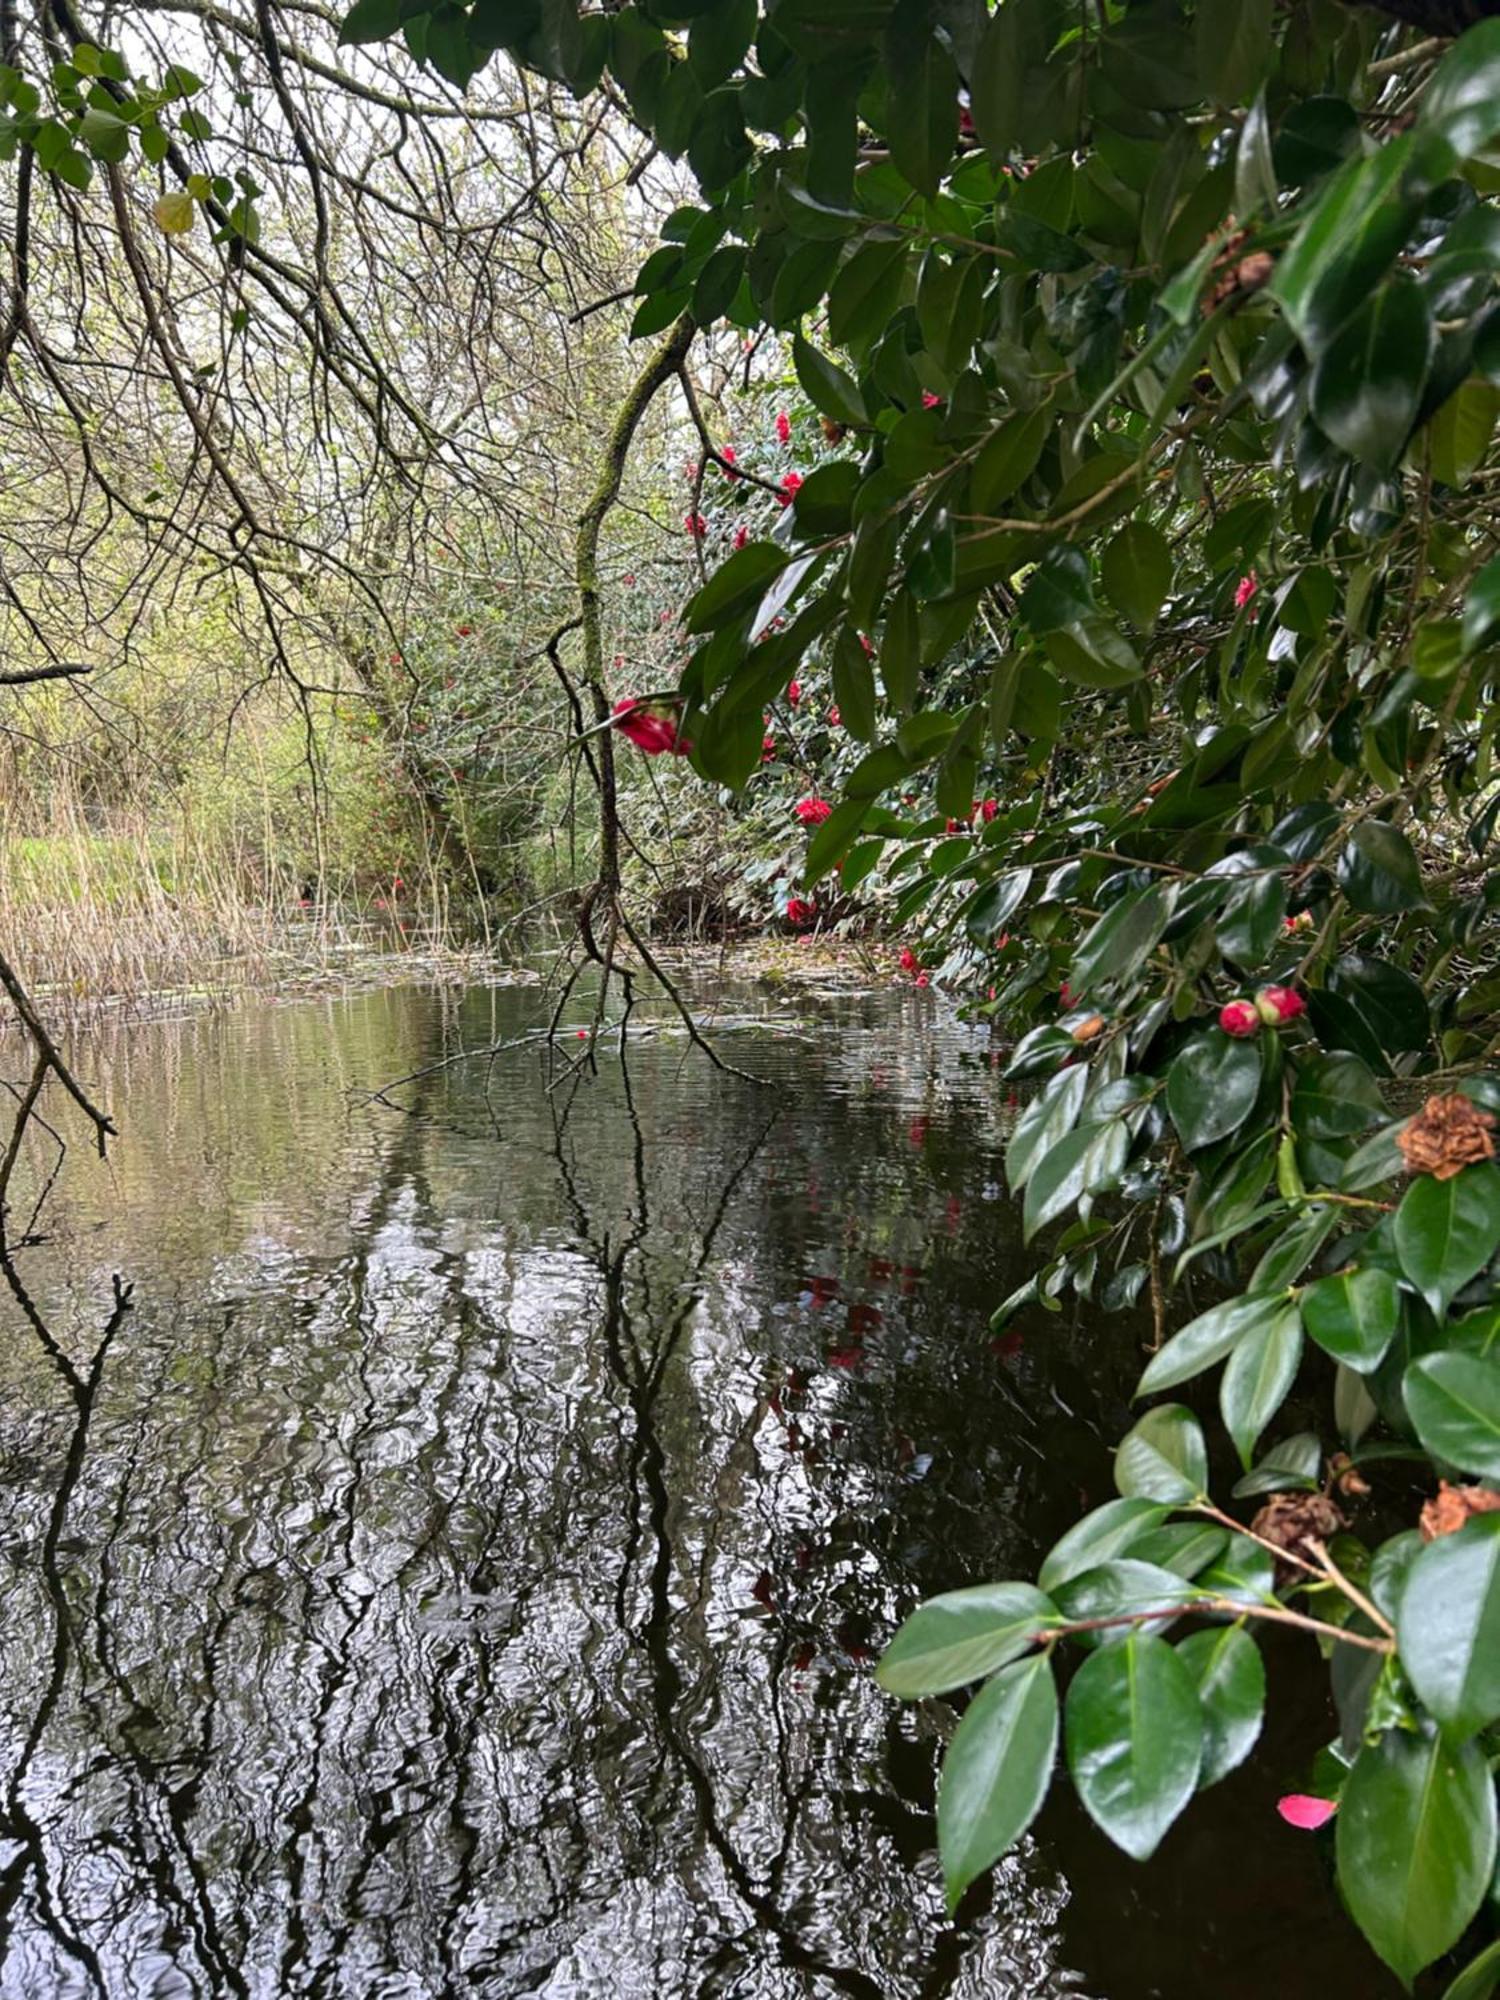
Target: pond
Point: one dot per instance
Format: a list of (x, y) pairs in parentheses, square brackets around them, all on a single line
[(460, 1569)]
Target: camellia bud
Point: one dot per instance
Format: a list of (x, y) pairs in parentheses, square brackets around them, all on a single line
[(1089, 1030), (1240, 1018), (1277, 1005)]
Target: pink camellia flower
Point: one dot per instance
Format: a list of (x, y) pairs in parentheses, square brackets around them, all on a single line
[(835, 720), (1240, 1018), (741, 536), (929, 401), (1277, 1005), (696, 526), (1301, 1810), (800, 914), (794, 693), (791, 486), (783, 427), (812, 812), (867, 642), (923, 980), (908, 961), (767, 749), (647, 728), (1245, 589)]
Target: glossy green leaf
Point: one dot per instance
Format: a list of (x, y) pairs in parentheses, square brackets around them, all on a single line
[(1122, 940), (1050, 1114), (1163, 1458), (1230, 1676), (996, 1771), (1448, 1627), (1353, 1316), (1460, 109), (1446, 1231), (922, 107), (1260, 1372), (1134, 1740), (1454, 1402), (1136, 571), (1206, 1340), (1415, 1845), (963, 1636), (1233, 46), (1367, 386), (1211, 1087), (735, 587), (1379, 872), (1101, 1535), (1479, 1978), (827, 386), (1348, 238)]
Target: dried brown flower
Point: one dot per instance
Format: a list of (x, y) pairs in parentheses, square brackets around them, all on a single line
[(1346, 1476), (1447, 1135), (1293, 1521), (1453, 1506), (833, 430)]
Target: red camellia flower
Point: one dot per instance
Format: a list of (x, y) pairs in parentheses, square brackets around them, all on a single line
[(1245, 589), (929, 401), (783, 427), (794, 693), (1065, 994), (696, 526), (728, 455), (790, 487), (767, 749), (1276, 1005), (741, 536), (909, 962), (923, 980), (463, 632), (800, 914), (988, 810), (1240, 1019), (647, 728), (835, 720), (812, 812)]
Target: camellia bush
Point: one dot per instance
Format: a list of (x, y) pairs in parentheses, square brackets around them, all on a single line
[(1155, 350)]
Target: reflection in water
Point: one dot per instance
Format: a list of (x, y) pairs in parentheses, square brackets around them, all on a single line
[(457, 1569)]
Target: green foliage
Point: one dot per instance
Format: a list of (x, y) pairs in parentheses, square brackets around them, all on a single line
[(1169, 532)]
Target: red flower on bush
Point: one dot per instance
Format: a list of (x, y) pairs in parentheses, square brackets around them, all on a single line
[(791, 486), (835, 720), (929, 401), (794, 693), (741, 536), (800, 914), (728, 455), (1245, 589), (696, 526), (1240, 1019), (783, 427), (463, 632), (767, 749), (812, 812), (1277, 1005), (909, 962), (988, 809), (649, 729)]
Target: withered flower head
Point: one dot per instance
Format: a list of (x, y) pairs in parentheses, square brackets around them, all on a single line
[(1295, 1520), (1447, 1135), (1454, 1506)]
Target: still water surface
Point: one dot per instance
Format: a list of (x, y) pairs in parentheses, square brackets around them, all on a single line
[(460, 1570)]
